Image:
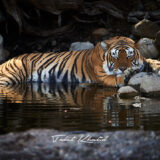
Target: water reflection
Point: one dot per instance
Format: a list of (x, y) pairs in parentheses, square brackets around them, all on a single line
[(74, 107)]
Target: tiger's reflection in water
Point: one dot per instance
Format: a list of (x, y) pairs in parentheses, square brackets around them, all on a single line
[(64, 107)]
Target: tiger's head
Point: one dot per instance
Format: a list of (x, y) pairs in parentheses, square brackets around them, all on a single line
[(120, 54)]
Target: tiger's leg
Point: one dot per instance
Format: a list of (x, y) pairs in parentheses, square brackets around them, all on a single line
[(114, 81), (154, 65)]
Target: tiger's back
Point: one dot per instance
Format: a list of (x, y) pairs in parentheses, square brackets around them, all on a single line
[(46, 67)]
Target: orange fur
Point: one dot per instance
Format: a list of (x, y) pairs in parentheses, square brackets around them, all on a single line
[(74, 66)]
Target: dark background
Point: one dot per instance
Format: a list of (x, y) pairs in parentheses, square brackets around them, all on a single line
[(52, 25)]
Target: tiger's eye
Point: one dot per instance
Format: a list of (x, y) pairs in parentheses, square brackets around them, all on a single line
[(114, 53), (130, 52)]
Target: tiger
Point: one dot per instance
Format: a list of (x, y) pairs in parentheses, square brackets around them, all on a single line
[(106, 64)]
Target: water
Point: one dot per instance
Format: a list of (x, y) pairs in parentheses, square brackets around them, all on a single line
[(74, 108)]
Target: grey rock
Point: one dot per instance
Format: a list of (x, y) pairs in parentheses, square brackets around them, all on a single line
[(38, 144), (53, 43), (150, 84), (137, 79), (81, 46), (127, 92), (147, 48)]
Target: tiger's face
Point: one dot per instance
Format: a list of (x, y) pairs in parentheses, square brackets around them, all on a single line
[(120, 54)]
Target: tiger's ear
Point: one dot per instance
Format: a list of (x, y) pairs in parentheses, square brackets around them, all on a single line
[(104, 46)]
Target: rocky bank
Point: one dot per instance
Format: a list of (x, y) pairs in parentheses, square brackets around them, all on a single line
[(40, 144)]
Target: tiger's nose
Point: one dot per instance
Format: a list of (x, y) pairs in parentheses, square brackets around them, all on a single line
[(123, 68)]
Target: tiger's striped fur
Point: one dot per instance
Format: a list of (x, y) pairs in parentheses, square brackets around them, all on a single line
[(105, 64)]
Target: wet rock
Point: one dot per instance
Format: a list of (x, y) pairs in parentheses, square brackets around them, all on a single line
[(100, 32), (81, 46), (137, 79), (147, 48), (137, 105), (146, 28), (150, 85), (127, 92)]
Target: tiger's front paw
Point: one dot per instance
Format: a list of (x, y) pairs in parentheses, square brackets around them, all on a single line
[(129, 73), (120, 80)]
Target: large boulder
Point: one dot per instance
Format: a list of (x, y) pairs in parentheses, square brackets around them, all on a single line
[(3, 53), (137, 79), (146, 28), (148, 48), (149, 83), (81, 46), (127, 92)]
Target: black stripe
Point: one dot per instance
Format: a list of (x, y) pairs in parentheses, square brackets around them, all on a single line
[(20, 71), (61, 54), (51, 54), (52, 59), (23, 64), (63, 63), (65, 78), (33, 63), (74, 66), (36, 55), (18, 75), (13, 74), (82, 69), (52, 73), (75, 61), (13, 82)]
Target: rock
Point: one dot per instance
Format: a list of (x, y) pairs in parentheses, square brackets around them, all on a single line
[(146, 28), (81, 46), (100, 32), (134, 16), (147, 48), (3, 53), (53, 43), (137, 105), (2, 17), (137, 79), (150, 85), (155, 14), (127, 92), (42, 144), (157, 40), (150, 5)]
